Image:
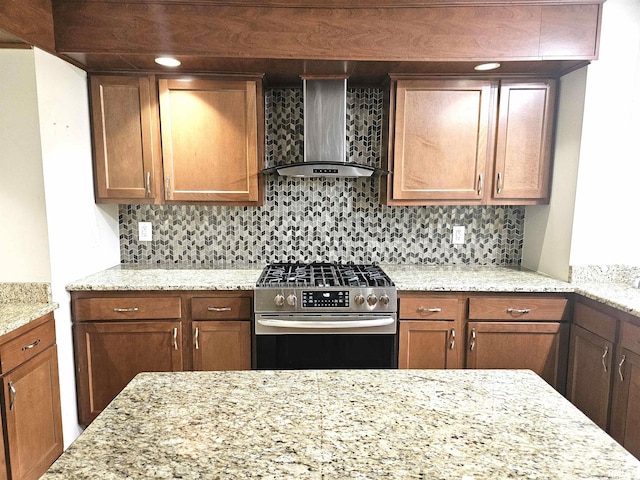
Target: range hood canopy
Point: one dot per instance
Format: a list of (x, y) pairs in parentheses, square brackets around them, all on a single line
[(325, 133)]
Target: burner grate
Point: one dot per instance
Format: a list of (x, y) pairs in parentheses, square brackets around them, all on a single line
[(323, 275)]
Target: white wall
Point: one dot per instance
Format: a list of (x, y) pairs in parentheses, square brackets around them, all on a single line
[(24, 249), (547, 228), (83, 237), (606, 228)]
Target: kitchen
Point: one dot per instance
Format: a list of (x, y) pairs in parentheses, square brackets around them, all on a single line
[(601, 138)]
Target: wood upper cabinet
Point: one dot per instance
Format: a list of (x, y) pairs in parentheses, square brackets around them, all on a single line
[(441, 140), (210, 140), (430, 334), (591, 355), (125, 127), (468, 141), (625, 411), (513, 331), (523, 143), (31, 415)]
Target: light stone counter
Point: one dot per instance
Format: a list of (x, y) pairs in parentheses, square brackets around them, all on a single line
[(349, 424), (20, 303)]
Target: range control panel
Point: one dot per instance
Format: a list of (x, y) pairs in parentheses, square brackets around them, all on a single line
[(322, 299)]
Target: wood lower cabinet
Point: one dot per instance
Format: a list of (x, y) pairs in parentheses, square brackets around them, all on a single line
[(521, 332), (430, 332), (625, 411), (110, 354), (591, 356), (31, 415), (222, 345)]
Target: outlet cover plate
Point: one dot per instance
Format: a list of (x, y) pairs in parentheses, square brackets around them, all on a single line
[(457, 237), (145, 232)]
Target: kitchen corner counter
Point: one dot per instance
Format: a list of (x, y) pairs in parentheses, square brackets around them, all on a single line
[(396, 424), (21, 303)]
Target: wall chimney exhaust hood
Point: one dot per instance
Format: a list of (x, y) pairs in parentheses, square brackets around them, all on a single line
[(325, 133)]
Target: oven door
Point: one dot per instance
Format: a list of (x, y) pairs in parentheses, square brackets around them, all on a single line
[(326, 341)]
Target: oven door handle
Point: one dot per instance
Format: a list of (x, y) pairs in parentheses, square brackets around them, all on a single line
[(320, 324)]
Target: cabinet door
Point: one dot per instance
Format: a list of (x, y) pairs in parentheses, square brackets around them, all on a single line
[(625, 411), (589, 376), (32, 411), (109, 355), (425, 344), (223, 345), (442, 133), (541, 347), (210, 140), (523, 144), (124, 128)]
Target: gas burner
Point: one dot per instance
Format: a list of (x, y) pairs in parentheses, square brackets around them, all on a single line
[(323, 275)]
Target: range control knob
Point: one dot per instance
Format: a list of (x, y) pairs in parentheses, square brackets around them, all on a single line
[(292, 299), (372, 300), (279, 300), (359, 299), (384, 299)]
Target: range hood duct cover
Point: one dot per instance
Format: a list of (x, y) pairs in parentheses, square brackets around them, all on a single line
[(325, 134)]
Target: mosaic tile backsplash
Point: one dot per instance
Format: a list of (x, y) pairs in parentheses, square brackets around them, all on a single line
[(321, 219)]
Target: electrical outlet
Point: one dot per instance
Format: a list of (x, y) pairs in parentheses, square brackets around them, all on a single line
[(145, 232), (457, 237)]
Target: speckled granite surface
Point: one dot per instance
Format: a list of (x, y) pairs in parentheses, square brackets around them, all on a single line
[(21, 303), (394, 424)]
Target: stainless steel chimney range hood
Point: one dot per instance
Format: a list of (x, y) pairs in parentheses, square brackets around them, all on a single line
[(325, 133)]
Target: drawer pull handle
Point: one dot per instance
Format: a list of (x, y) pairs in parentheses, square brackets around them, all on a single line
[(32, 345), (12, 389), (518, 310), (219, 309), (604, 357), (125, 310), (480, 185), (453, 339), (499, 189), (624, 357), (472, 344), (197, 338), (430, 310), (148, 183)]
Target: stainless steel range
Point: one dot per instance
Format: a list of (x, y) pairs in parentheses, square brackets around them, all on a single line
[(325, 315)]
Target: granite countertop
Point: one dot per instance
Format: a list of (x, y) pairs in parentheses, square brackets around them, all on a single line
[(364, 424), (20, 303), (406, 278)]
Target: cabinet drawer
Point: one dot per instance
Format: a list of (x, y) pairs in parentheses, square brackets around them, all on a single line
[(212, 308), (518, 308), (630, 337), (124, 308), (429, 308), (27, 345), (595, 321)]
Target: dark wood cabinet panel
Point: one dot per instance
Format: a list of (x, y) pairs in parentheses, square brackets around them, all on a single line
[(589, 379), (540, 346), (222, 345), (124, 126), (428, 344), (109, 355), (33, 417)]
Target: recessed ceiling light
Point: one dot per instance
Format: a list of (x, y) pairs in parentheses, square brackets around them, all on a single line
[(486, 66), (168, 61)]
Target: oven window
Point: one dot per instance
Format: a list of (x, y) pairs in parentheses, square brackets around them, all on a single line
[(326, 351)]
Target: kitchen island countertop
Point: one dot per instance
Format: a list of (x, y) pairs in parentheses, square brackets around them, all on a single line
[(396, 424)]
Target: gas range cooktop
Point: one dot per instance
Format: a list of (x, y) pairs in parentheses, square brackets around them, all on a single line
[(323, 275)]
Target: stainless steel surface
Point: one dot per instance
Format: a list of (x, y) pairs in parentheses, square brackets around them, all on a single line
[(124, 310), (604, 357), (12, 401), (313, 324), (31, 345), (325, 120), (518, 310), (624, 357)]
